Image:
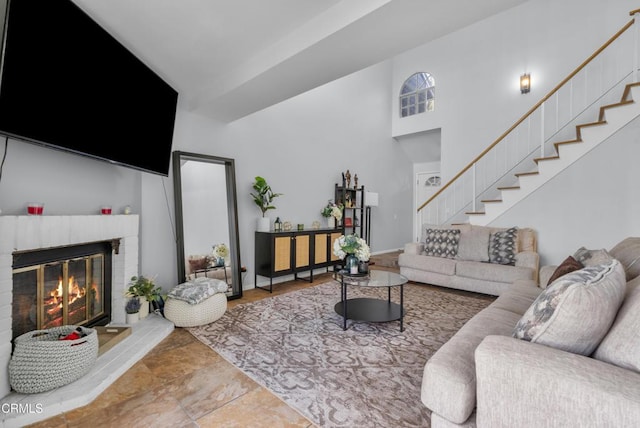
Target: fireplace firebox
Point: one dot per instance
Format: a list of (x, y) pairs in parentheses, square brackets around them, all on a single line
[(62, 286)]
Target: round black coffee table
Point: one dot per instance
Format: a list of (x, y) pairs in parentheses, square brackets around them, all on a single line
[(371, 309)]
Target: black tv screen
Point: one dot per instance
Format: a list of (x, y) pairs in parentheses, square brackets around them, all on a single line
[(68, 84)]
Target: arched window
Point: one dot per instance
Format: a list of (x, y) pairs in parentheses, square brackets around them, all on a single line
[(417, 95)]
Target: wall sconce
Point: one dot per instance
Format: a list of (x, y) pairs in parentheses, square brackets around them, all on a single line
[(525, 83)]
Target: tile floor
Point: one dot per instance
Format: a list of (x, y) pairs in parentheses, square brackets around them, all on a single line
[(183, 383)]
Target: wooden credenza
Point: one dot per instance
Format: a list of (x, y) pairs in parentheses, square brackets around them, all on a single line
[(291, 252)]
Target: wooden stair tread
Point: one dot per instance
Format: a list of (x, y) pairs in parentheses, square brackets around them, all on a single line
[(521, 174), (509, 188), (596, 123), (560, 143), (627, 90), (475, 213), (488, 201), (536, 160)]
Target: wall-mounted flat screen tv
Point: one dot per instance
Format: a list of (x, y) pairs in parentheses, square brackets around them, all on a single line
[(66, 83)]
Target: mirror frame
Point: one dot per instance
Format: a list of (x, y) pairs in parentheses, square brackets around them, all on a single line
[(232, 210)]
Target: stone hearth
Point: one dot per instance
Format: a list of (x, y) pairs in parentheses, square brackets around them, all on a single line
[(23, 233)]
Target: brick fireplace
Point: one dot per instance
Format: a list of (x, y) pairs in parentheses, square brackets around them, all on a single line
[(26, 233)]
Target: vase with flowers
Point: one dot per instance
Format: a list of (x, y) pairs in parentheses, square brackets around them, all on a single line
[(353, 250), (220, 254), (333, 213)]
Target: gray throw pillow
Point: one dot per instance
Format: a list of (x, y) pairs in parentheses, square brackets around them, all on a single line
[(592, 257), (576, 311), (502, 246), (441, 242), (474, 244)]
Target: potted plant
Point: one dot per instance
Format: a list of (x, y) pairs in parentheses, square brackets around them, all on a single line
[(132, 308), (263, 198), (145, 289)]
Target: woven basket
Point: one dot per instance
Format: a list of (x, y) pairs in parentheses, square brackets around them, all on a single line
[(41, 362)]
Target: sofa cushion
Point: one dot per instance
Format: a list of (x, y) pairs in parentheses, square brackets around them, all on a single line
[(474, 244), (621, 345), (432, 264), (449, 376), (517, 298), (592, 257), (502, 246), (628, 252), (442, 242), (567, 266), (575, 312), (492, 272)]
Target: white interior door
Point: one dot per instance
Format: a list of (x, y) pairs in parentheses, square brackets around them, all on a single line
[(427, 184)]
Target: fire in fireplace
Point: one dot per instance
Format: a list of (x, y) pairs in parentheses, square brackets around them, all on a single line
[(62, 286)]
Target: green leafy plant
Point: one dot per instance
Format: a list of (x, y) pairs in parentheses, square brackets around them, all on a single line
[(264, 195), (142, 286)]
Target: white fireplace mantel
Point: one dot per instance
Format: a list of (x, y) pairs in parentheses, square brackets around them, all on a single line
[(23, 233)]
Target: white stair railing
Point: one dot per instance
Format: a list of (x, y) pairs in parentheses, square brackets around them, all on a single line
[(577, 99)]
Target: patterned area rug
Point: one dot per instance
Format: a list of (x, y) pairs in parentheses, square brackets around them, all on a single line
[(366, 376)]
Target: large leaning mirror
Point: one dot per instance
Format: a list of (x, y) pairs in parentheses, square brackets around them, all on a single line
[(208, 245)]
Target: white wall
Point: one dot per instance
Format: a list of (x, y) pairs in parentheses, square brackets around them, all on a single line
[(302, 145), (594, 203), (477, 99), (477, 69)]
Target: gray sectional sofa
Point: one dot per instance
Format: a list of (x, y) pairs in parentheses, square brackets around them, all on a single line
[(572, 359), (465, 257)]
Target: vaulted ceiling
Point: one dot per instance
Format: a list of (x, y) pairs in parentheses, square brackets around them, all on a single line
[(230, 58)]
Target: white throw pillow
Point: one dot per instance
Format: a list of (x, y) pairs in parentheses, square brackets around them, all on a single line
[(576, 311)]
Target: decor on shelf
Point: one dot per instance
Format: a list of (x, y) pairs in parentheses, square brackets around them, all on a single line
[(352, 249), (220, 254), (146, 290), (132, 308), (263, 198), (197, 262), (277, 225), (333, 213)]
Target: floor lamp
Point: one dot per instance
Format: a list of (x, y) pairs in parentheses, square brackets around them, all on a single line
[(371, 200)]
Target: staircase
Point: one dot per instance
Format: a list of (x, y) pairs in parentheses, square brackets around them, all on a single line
[(611, 118), (591, 104)]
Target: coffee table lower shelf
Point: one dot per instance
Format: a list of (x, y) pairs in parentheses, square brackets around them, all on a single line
[(371, 310)]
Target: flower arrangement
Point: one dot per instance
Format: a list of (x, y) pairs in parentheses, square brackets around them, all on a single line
[(133, 305), (332, 209), (351, 244), (221, 250)]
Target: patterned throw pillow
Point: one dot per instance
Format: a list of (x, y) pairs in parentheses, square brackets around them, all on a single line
[(502, 247), (592, 257), (576, 311), (441, 242)]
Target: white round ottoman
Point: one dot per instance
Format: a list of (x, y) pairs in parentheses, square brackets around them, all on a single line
[(184, 314)]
